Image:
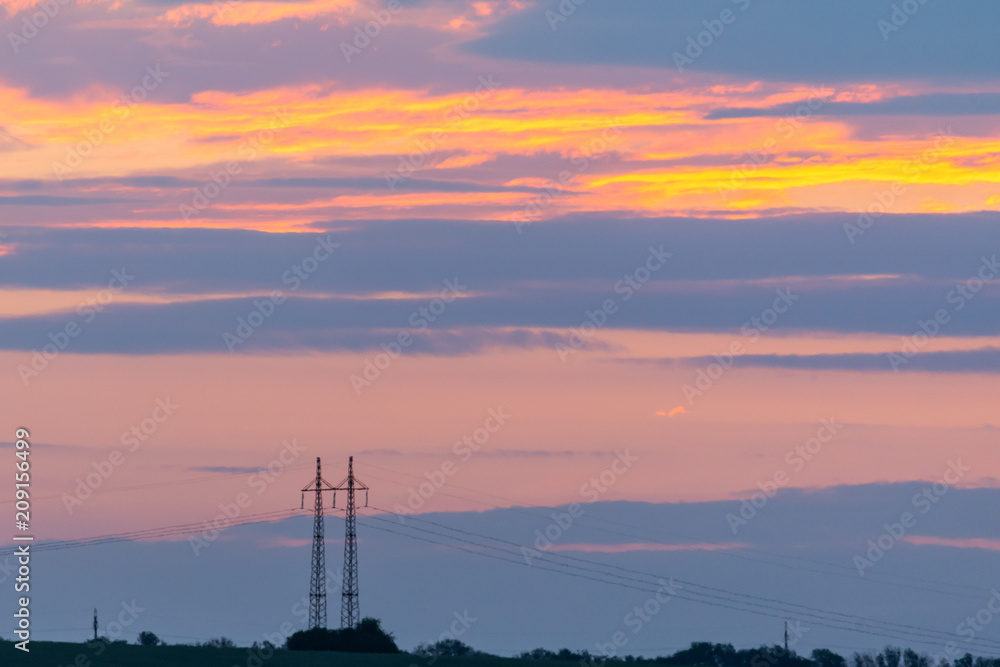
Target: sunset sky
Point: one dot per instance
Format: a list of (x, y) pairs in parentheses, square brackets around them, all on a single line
[(749, 243)]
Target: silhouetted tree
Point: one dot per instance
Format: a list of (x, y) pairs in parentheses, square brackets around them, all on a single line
[(891, 656), (537, 654), (367, 637), (147, 638), (912, 659), (777, 656), (824, 657), (566, 654), (219, 642), (704, 653), (445, 647)]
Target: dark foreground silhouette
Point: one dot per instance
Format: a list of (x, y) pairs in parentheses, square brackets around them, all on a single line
[(367, 637)]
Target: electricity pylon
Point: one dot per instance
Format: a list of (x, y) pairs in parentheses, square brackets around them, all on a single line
[(317, 581), (350, 614)]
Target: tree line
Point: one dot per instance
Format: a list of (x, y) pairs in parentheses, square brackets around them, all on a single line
[(707, 654), (369, 637)]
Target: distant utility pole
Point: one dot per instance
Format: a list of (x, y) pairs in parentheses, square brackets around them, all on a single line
[(95, 624), (350, 614), (317, 581), (786, 637)]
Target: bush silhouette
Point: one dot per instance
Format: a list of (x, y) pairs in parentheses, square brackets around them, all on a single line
[(367, 637), (147, 638), (445, 647)]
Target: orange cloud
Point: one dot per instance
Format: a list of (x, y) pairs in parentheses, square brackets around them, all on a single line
[(349, 13), (12, 7), (236, 12), (685, 159)]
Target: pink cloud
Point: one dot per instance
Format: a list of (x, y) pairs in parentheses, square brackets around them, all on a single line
[(290, 542), (959, 542)]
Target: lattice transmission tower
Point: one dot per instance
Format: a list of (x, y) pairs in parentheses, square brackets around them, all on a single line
[(317, 581), (350, 613)]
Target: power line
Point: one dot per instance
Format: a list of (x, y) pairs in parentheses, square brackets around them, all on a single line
[(623, 585), (690, 584), (154, 533), (756, 604), (152, 485), (874, 577), (811, 612), (707, 595)]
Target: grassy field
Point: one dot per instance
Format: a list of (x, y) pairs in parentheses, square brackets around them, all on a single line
[(55, 654)]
